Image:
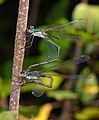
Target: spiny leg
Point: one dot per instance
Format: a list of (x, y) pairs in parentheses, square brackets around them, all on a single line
[(39, 82), (38, 64), (31, 37), (30, 34), (51, 81)]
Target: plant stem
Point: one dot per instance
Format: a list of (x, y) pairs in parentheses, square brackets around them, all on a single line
[(18, 55), (68, 105)]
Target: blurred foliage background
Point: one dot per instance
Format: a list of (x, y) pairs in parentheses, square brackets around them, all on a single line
[(68, 99)]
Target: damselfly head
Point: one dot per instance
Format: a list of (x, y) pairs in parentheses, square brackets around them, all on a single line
[(23, 74), (29, 30)]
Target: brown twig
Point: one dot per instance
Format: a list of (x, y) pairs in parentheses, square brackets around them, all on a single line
[(18, 55), (68, 105)]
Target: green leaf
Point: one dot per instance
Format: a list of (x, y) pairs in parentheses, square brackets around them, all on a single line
[(8, 115), (57, 80), (4, 88), (89, 113), (81, 82), (29, 110), (2, 1), (88, 88), (62, 94), (90, 48), (90, 13)]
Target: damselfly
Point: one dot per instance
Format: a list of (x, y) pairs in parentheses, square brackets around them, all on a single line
[(35, 77), (56, 32)]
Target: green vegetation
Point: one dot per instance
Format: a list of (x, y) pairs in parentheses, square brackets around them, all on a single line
[(82, 93)]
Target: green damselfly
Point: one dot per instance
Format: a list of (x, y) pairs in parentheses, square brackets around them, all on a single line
[(35, 77), (57, 32)]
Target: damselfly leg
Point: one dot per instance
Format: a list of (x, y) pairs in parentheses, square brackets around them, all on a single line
[(29, 36)]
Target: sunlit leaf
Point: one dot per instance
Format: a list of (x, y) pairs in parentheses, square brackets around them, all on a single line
[(88, 89), (83, 10), (57, 80), (88, 114), (44, 112), (93, 89), (91, 85), (2, 1)]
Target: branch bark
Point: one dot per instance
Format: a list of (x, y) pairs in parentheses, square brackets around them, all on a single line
[(19, 50)]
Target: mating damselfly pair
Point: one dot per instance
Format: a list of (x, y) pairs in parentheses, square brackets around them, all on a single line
[(56, 32)]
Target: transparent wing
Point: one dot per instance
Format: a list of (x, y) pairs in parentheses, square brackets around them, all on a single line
[(77, 24), (69, 30), (52, 50), (71, 62), (38, 90), (69, 76), (38, 86), (64, 36)]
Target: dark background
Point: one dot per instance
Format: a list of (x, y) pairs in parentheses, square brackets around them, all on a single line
[(39, 13)]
